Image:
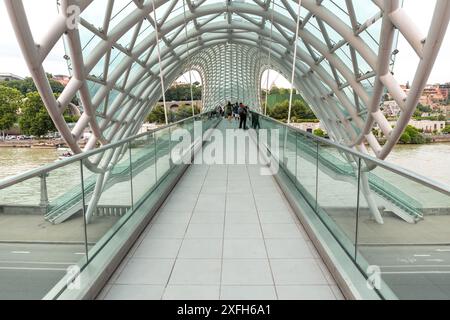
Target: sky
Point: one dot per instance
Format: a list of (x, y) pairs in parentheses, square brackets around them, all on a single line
[(42, 12)]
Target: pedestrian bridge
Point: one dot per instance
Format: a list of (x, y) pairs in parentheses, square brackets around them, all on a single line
[(198, 209)]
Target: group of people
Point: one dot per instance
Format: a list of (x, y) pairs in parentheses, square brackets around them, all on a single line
[(238, 112)]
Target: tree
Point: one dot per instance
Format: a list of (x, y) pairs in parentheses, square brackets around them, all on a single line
[(319, 132), (412, 136), (35, 119), (405, 138), (185, 111), (300, 111), (157, 115), (10, 100), (446, 130), (182, 92)]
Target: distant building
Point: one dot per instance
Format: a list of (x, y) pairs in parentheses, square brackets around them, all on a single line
[(9, 77), (64, 80), (391, 108), (174, 105), (428, 126), (308, 126)]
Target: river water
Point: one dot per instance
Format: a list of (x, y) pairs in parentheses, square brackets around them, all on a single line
[(430, 160)]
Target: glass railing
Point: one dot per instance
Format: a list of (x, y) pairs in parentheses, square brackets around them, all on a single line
[(55, 220), (394, 224)]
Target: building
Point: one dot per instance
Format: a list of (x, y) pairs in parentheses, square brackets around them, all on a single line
[(391, 108), (427, 126), (308, 126), (64, 80), (9, 77)]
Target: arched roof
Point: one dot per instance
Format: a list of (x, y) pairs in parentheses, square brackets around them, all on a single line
[(345, 52)]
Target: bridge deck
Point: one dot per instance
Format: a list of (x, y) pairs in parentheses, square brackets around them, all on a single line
[(225, 232)]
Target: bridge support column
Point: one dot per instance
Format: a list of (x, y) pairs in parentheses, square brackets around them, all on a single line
[(44, 192), (369, 198)]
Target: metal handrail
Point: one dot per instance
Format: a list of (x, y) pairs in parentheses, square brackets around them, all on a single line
[(53, 166), (435, 185)]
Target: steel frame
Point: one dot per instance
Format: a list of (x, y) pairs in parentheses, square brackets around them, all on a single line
[(229, 44)]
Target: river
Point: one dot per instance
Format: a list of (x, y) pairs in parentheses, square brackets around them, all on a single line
[(430, 160)]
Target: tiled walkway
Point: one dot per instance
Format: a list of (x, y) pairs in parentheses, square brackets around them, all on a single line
[(226, 232)]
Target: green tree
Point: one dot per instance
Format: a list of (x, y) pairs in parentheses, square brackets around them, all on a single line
[(182, 92), (446, 130), (10, 100), (35, 119), (319, 132), (185, 111), (157, 115), (300, 111), (412, 135), (405, 138)]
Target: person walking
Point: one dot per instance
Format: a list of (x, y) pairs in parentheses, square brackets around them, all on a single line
[(243, 116), (236, 111), (255, 121), (229, 111)]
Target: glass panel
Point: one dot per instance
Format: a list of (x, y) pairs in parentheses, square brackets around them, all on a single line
[(143, 154), (41, 234), (163, 163), (107, 194), (411, 248), (307, 168), (337, 194)]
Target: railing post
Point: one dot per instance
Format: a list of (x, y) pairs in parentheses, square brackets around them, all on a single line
[(131, 176), (358, 203), (44, 192)]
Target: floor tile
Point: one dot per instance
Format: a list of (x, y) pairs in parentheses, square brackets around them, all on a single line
[(244, 249), (186, 292), (246, 272), (208, 217), (297, 272), (242, 231), (135, 292), (201, 249), (241, 218), (167, 231), (276, 217), (158, 248), (173, 217), (205, 230), (280, 231), (193, 272), (248, 293), (146, 271), (288, 249), (305, 293)]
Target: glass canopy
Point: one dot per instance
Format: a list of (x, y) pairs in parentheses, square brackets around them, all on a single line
[(343, 63)]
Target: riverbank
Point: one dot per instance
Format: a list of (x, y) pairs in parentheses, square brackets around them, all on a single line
[(429, 139), (34, 144)]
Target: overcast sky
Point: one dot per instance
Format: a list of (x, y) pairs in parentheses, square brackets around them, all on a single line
[(42, 12)]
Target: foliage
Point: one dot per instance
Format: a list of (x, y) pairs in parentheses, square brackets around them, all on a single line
[(35, 119), (300, 110), (27, 85), (157, 115), (182, 92), (319, 132), (424, 109), (10, 100), (446, 130), (183, 112), (412, 136)]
